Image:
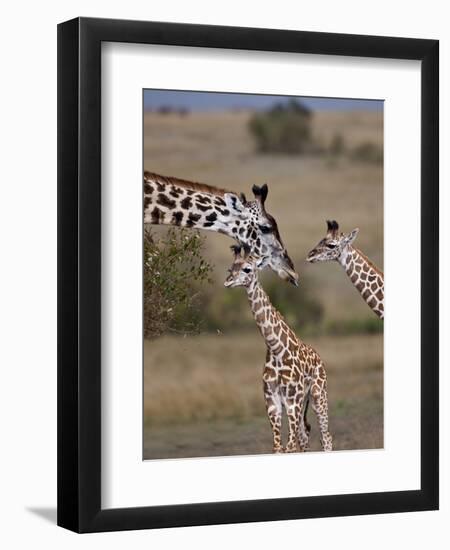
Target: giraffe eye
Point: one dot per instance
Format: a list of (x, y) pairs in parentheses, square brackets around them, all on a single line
[(246, 270), (331, 246), (266, 228)]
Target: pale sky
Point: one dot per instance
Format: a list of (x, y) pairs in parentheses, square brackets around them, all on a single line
[(212, 101)]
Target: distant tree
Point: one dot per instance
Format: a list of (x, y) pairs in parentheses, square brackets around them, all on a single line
[(165, 110), (285, 128)]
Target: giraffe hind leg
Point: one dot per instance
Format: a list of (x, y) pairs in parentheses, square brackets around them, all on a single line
[(304, 429), (320, 406)]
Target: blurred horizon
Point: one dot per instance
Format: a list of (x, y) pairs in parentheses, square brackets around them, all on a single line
[(217, 101)]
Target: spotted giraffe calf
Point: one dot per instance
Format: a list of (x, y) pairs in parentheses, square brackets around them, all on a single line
[(294, 373), (364, 274)]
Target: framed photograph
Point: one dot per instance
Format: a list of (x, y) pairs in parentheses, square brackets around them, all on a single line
[(230, 203)]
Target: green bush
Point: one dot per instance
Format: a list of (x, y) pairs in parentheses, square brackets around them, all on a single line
[(173, 266), (367, 325), (297, 305), (285, 128), (230, 310)]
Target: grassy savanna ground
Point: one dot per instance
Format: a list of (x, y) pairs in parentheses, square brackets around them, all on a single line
[(203, 393)]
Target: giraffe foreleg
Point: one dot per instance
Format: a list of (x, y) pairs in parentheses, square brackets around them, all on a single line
[(274, 411), (293, 398)]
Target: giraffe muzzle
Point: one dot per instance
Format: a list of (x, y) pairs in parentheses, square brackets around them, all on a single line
[(291, 276)]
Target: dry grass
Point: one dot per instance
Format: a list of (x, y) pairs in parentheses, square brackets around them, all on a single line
[(203, 394), (208, 377)]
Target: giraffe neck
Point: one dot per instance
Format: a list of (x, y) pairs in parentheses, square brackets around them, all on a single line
[(171, 201), (366, 277), (270, 322)]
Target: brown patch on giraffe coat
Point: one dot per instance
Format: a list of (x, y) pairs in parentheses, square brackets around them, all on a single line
[(186, 203), (203, 199), (163, 200), (211, 217), (193, 219), (225, 212), (269, 374), (259, 317), (156, 215), (177, 218)]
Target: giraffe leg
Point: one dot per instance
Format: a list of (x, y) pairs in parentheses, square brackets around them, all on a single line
[(274, 411), (292, 405), (304, 429), (294, 424), (320, 405)]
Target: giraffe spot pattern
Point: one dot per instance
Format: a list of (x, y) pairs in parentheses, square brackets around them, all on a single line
[(293, 374), (209, 211), (366, 279)]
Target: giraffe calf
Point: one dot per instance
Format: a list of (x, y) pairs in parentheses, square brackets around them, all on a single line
[(294, 374)]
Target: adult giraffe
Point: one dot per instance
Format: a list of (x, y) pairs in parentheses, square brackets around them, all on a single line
[(365, 276), (173, 201)]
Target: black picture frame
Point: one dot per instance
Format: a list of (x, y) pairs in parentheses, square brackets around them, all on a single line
[(79, 274)]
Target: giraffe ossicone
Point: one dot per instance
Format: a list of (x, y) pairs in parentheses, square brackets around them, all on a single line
[(364, 274), (173, 201), (294, 373)]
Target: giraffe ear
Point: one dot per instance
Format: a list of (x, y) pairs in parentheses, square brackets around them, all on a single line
[(332, 226), (351, 236), (261, 192), (234, 204), (236, 248)]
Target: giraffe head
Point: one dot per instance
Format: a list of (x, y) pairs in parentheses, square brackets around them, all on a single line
[(333, 246), (259, 231), (169, 200), (243, 270)]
